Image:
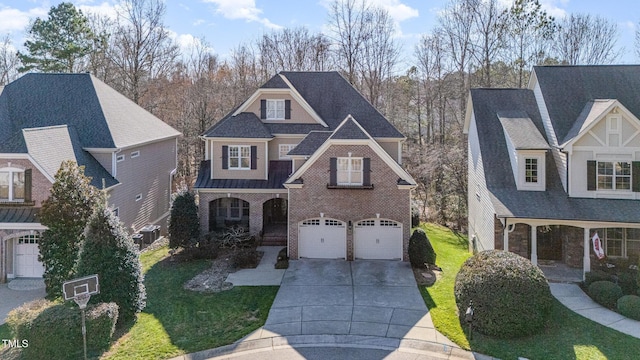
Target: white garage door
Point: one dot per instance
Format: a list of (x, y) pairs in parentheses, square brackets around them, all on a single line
[(322, 238), (27, 264), (378, 239)]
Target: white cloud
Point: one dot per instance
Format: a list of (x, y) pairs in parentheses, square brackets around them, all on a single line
[(198, 22), (242, 9), (104, 9), (397, 10), (555, 7), (15, 20)]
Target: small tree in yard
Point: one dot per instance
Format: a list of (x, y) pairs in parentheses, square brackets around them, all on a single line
[(65, 214), (109, 251), (184, 226), (421, 252)]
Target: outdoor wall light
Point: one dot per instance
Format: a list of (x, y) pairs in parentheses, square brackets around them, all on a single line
[(321, 215), (350, 226), (378, 216)]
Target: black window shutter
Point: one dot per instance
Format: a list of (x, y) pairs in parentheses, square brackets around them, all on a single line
[(366, 172), (27, 185), (254, 157), (591, 175), (333, 171), (635, 174), (263, 109), (225, 157), (287, 109)]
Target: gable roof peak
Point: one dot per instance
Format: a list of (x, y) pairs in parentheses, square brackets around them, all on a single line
[(350, 129)]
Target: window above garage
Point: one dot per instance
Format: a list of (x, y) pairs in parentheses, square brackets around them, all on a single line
[(350, 173)]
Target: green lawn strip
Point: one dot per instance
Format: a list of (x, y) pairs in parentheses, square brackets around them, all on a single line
[(178, 321), (567, 336)]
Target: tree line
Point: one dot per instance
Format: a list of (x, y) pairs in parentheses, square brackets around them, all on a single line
[(475, 43)]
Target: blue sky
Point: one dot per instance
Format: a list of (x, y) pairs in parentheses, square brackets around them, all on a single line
[(226, 23)]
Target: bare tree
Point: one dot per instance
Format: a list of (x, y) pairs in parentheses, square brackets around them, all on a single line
[(348, 26), (530, 32), (294, 50), (142, 49), (9, 61), (245, 72), (99, 63), (582, 39), (489, 28)]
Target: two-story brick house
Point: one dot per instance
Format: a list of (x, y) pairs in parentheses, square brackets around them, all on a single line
[(552, 165), (49, 118), (308, 155)]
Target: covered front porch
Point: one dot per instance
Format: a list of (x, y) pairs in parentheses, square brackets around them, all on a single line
[(563, 249)]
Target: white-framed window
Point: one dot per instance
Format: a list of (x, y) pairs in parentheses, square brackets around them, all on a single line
[(12, 184), (349, 171), (138, 197), (614, 175), (620, 242), (240, 157), (29, 239), (120, 158), (284, 149), (135, 154), (313, 222), (531, 170), (275, 109)]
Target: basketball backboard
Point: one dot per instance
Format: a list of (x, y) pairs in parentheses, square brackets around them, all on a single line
[(87, 285)]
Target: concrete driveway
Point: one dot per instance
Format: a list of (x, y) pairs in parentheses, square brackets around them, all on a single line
[(12, 298), (369, 298)]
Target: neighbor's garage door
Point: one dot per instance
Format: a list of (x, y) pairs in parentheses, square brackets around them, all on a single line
[(322, 238), (378, 239), (27, 264)]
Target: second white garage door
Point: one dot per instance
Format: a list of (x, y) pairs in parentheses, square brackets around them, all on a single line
[(378, 239), (322, 238)]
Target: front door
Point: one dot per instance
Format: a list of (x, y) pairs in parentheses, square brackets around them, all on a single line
[(549, 242)]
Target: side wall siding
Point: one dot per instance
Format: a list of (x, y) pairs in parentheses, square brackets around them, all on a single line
[(349, 204)]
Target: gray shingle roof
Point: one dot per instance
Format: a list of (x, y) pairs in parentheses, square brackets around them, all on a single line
[(279, 172), (523, 133), (349, 130), (554, 203), (566, 90), (275, 82), (310, 143), (589, 114), (19, 215), (244, 125), (276, 128), (102, 117)]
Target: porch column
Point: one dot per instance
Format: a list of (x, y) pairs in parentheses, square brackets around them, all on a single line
[(505, 237), (534, 245), (586, 261), (255, 217)]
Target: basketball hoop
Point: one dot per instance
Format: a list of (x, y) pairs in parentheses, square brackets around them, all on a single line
[(82, 300)]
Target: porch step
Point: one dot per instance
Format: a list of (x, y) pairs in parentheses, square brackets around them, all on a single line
[(269, 240)]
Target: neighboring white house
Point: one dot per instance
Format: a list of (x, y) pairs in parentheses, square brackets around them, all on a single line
[(48, 118), (551, 165)]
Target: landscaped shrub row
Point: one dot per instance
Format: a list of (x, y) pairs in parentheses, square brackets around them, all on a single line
[(511, 297), (605, 293), (629, 306), (420, 250), (54, 331)]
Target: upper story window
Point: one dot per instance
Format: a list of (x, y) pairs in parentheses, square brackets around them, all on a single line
[(531, 170), (135, 154), (349, 171), (284, 149), (240, 157), (614, 175), (275, 109), (12, 184), (120, 158)]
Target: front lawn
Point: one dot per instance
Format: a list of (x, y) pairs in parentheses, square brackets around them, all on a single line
[(567, 336), (178, 321)]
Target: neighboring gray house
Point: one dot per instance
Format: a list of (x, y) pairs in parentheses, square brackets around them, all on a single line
[(307, 162), (551, 165), (48, 118)]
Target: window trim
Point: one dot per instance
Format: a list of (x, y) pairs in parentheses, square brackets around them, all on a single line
[(239, 157), (521, 181), (135, 154), (350, 171), (275, 102), (11, 170), (120, 158), (535, 169), (603, 233), (138, 197), (614, 176)]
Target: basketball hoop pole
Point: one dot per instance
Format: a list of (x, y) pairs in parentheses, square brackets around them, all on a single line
[(82, 301)]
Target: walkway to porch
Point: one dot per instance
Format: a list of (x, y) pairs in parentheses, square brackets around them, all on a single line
[(559, 272), (274, 235)]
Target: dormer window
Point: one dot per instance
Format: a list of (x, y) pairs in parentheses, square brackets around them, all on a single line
[(531, 170), (275, 109)]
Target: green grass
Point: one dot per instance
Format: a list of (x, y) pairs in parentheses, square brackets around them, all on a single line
[(178, 321), (567, 335)]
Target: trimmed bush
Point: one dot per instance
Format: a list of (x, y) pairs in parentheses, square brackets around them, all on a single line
[(245, 258), (596, 275), (283, 259), (511, 296), (420, 250), (605, 293), (37, 321), (629, 306), (627, 282), (184, 225)]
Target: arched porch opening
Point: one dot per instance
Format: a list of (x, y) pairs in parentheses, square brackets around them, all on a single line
[(228, 212)]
